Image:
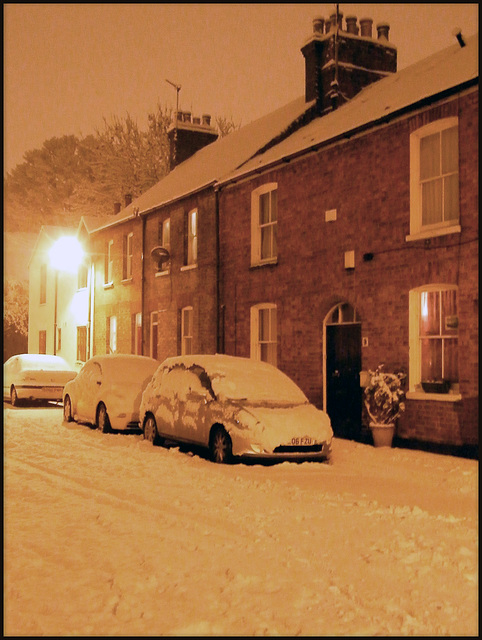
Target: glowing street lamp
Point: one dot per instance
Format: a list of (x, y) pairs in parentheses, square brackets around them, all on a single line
[(66, 254)]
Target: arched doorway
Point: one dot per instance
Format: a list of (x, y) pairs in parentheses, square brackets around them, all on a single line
[(343, 395)]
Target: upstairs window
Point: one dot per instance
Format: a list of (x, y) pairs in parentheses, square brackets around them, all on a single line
[(108, 265), (164, 240), (43, 284), (264, 224), (264, 333), (191, 236), (127, 256), (82, 276), (434, 179)]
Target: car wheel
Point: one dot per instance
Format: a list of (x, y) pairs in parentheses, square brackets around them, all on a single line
[(103, 423), (13, 397), (67, 409), (220, 446), (150, 430)]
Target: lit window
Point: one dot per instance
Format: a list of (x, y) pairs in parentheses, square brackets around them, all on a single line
[(186, 330), (127, 256), (434, 178), (433, 335), (264, 224), (43, 284), (192, 236), (82, 276), (164, 239), (264, 333), (108, 267)]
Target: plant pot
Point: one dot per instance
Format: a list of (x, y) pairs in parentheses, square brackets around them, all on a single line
[(382, 434), (436, 386)]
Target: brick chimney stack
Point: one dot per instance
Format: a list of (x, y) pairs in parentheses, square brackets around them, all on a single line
[(340, 63), (187, 135)]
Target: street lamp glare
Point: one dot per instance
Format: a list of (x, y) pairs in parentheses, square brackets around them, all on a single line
[(66, 254)]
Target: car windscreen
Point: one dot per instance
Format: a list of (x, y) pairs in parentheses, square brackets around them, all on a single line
[(256, 385)]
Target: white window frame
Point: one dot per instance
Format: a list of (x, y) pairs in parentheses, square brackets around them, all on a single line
[(187, 331), (415, 351), (43, 284), (271, 341), (192, 237), (165, 241), (128, 256), (417, 229), (256, 227), (109, 264)]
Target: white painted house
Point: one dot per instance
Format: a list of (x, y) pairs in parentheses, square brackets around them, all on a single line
[(58, 299)]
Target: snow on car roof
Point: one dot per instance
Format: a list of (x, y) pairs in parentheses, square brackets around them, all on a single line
[(41, 360), (238, 378), (124, 366)]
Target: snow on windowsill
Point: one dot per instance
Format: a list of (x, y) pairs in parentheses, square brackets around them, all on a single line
[(440, 397), (127, 281), (188, 267), (166, 272), (432, 233), (265, 263), (108, 285)]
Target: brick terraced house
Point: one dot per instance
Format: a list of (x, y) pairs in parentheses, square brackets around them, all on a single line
[(335, 234)]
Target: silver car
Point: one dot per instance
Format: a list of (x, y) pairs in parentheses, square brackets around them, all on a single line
[(107, 391), (35, 376), (234, 407)]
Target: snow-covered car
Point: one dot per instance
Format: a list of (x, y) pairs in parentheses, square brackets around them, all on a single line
[(35, 376), (234, 407), (107, 391)]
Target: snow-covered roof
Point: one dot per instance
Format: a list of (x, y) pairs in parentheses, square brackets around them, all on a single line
[(206, 166), (236, 155), (450, 68)]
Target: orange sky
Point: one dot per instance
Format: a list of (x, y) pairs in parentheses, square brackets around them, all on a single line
[(67, 66)]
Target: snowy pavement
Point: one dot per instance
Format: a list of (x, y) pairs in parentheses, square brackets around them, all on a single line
[(106, 535)]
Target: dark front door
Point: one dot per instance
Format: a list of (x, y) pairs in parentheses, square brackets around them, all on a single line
[(343, 364)]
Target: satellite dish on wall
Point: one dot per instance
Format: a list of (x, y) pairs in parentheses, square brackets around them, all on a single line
[(160, 255)]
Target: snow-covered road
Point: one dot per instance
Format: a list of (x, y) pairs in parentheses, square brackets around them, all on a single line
[(106, 535)]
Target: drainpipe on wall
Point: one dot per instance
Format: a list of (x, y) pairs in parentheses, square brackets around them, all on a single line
[(143, 234), (219, 319)]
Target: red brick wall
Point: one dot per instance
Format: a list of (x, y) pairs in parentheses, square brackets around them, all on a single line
[(168, 294), (366, 179)]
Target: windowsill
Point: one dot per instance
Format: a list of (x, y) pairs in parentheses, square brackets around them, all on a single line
[(158, 274), (265, 263), (126, 281), (108, 285), (189, 267), (439, 397), (424, 234)]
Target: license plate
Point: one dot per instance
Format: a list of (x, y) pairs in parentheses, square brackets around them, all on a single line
[(302, 441)]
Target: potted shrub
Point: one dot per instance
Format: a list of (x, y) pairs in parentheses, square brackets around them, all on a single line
[(384, 397)]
